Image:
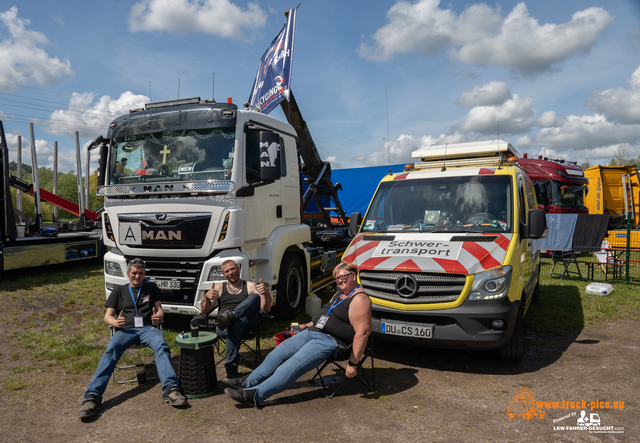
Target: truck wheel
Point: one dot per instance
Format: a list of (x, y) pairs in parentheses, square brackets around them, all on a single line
[(514, 348), (291, 288)]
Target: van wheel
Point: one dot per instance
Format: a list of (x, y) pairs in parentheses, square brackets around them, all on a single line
[(513, 350), (291, 287)]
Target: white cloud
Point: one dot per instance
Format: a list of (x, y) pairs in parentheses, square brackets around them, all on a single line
[(549, 119), (480, 36), (489, 94), (23, 59), (514, 116), (335, 164), (399, 151), (91, 118), (590, 136), (619, 105), (216, 17), (424, 27)]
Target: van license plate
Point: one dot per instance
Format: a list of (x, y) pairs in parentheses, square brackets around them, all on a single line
[(407, 329), (171, 285)]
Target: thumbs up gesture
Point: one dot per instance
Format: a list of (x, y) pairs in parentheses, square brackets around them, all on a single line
[(262, 289), (156, 318), (120, 320)]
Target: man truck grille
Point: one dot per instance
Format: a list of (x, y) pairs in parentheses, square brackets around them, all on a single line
[(187, 272), (413, 287)]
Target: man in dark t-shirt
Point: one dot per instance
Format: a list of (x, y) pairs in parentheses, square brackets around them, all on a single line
[(239, 303), (135, 311)]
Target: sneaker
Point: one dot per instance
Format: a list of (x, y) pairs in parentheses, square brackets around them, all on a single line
[(90, 406), (247, 398), (225, 319), (235, 383), (174, 397)]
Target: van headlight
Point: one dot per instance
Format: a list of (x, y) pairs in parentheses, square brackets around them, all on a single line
[(491, 285), (113, 268)]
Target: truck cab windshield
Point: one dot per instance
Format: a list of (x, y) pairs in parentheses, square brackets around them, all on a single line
[(451, 204), (568, 195), (202, 154)]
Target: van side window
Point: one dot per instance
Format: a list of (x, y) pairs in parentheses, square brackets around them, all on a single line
[(522, 200), (531, 196)]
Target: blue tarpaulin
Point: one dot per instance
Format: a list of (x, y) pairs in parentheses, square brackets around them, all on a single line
[(359, 184)]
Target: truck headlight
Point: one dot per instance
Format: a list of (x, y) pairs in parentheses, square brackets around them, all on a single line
[(215, 274), (113, 268), (491, 285)]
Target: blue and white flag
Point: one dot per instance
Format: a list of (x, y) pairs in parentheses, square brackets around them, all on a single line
[(273, 80)]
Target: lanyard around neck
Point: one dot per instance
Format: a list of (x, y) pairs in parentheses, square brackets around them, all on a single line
[(135, 300), (339, 301)]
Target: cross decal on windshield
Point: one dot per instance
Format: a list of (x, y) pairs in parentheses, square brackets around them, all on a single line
[(164, 153)]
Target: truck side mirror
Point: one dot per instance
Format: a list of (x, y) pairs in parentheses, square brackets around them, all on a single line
[(354, 223), (542, 193), (102, 165), (537, 224), (269, 156)]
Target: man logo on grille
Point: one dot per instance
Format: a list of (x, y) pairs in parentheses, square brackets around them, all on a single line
[(406, 286)]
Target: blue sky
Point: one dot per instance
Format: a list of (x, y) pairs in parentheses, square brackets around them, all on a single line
[(561, 78)]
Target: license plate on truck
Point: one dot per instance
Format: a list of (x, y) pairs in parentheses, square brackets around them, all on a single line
[(170, 285), (417, 330)]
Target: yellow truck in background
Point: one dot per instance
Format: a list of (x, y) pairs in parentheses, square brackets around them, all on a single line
[(615, 190)]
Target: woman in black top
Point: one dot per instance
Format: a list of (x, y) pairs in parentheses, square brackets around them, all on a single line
[(345, 319)]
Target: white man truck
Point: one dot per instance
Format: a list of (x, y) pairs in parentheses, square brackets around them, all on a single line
[(446, 250), (205, 182)]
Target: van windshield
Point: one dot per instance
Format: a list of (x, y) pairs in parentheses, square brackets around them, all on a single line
[(448, 204), (201, 154)]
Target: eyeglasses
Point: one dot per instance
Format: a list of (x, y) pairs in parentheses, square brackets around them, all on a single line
[(138, 263), (343, 278)]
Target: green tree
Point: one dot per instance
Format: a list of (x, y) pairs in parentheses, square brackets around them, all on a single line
[(621, 157)]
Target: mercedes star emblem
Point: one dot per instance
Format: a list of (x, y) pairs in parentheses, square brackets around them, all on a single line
[(406, 286)]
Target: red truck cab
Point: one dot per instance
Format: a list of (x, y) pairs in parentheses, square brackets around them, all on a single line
[(559, 184)]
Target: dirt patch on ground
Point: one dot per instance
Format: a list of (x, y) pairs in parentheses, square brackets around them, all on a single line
[(421, 395)]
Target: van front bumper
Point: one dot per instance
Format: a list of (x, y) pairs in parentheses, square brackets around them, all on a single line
[(467, 327)]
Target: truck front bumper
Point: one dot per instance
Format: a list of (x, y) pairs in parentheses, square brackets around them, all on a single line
[(467, 326)]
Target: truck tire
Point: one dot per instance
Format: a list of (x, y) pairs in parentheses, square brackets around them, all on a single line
[(291, 288), (513, 350)]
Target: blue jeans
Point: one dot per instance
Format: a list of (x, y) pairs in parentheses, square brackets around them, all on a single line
[(247, 314), (120, 342), (288, 361)]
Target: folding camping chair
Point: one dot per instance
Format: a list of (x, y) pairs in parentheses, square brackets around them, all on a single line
[(342, 354), (246, 338), (566, 259), (210, 324), (133, 379)]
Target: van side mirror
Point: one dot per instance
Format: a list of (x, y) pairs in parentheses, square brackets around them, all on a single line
[(537, 224), (354, 223), (269, 156)]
